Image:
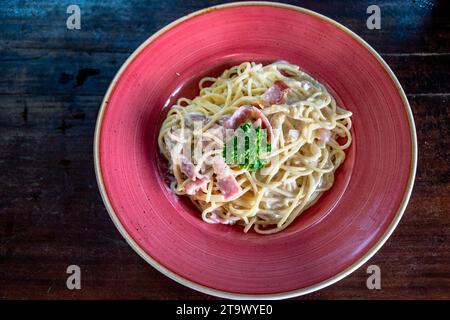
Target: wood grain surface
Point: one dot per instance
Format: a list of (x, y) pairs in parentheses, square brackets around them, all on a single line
[(51, 85)]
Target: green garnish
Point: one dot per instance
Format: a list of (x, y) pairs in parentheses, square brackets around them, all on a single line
[(250, 146)]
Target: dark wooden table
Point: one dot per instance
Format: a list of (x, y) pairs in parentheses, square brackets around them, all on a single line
[(51, 86)]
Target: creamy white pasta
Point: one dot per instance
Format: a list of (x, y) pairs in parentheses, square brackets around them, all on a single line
[(306, 132)]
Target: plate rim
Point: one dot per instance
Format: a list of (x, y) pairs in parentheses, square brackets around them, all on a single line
[(232, 295)]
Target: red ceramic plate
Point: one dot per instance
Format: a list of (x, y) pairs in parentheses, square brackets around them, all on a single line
[(330, 240)]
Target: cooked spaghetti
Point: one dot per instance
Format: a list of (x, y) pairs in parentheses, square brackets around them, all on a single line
[(303, 137)]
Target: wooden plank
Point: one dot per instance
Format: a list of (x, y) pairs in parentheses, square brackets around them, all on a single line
[(37, 71), (61, 72), (120, 26)]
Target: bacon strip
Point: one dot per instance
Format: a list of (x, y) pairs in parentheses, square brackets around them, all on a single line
[(323, 134), (192, 118), (192, 187), (226, 181), (223, 119), (245, 113), (186, 167), (197, 117), (220, 167), (275, 94), (257, 123)]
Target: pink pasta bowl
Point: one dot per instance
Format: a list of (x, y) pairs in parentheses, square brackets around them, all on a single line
[(329, 240)]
